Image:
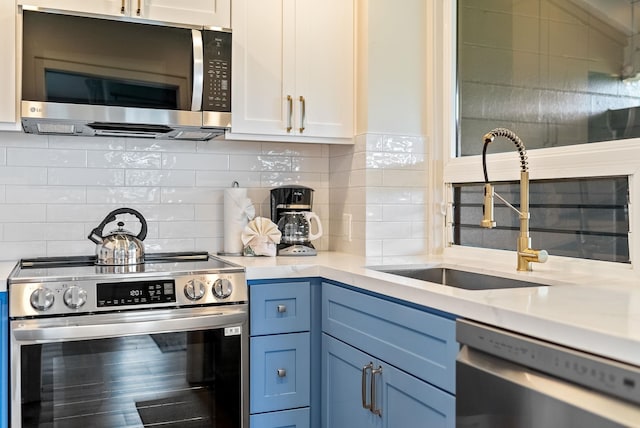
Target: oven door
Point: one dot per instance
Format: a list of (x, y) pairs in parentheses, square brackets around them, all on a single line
[(495, 393), (170, 368)]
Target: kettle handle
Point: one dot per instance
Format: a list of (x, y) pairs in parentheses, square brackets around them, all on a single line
[(96, 233), (313, 217)]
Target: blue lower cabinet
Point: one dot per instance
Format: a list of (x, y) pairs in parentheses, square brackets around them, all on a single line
[(297, 418), (396, 400), (4, 361), (280, 372)]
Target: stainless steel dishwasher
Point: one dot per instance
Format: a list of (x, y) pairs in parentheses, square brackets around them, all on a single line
[(507, 380)]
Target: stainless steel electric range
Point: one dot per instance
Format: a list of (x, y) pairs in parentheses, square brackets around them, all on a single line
[(159, 343)]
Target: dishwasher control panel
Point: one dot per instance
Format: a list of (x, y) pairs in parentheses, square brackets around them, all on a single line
[(599, 373)]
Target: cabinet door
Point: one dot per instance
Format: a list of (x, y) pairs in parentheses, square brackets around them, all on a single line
[(294, 65), (100, 7), (208, 13), (406, 401), (342, 393), (261, 80), (280, 371), (324, 46), (8, 101)]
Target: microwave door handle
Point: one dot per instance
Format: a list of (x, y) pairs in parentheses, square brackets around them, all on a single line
[(198, 70)]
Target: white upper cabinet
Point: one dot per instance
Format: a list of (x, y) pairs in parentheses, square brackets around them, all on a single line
[(8, 82), (293, 70), (208, 13)]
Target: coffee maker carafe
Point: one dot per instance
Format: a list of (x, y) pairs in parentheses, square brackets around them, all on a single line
[(291, 211)]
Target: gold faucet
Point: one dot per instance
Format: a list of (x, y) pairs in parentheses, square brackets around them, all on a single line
[(526, 254)]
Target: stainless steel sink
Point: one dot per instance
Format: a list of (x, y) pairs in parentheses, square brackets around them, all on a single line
[(457, 278)]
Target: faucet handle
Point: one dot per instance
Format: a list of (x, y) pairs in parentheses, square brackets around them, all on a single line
[(487, 208)]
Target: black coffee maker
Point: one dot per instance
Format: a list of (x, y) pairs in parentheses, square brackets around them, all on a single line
[(291, 211)]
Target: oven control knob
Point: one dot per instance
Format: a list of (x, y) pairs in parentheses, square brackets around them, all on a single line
[(75, 297), (222, 288), (194, 289), (42, 299)]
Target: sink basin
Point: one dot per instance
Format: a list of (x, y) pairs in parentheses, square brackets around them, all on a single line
[(457, 278)]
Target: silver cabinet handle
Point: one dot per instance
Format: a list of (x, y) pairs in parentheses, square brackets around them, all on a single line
[(374, 372), (138, 11), (303, 113), (281, 309), (289, 113), (122, 10), (364, 385), (282, 372)]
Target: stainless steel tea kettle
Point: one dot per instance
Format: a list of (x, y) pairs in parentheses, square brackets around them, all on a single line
[(120, 247)]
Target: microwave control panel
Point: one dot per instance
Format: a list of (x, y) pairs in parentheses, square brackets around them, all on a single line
[(217, 71)]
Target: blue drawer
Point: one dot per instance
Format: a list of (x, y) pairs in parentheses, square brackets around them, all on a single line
[(280, 308), (297, 418), (280, 372)]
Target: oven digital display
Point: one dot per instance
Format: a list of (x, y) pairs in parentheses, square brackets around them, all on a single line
[(135, 293)]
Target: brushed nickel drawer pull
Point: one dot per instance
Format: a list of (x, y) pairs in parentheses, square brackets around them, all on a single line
[(364, 386), (373, 408), (282, 372), (282, 309)]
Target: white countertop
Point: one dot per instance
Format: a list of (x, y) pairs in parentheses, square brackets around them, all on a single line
[(585, 311), (582, 311)]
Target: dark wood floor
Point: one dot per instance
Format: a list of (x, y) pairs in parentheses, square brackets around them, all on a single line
[(122, 382)]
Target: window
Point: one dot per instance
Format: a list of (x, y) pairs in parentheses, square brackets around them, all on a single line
[(556, 72), (579, 149), (585, 218)]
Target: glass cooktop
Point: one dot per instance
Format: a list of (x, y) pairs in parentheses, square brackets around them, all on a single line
[(156, 264)]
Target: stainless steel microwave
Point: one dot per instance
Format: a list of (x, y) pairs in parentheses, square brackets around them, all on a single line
[(84, 75)]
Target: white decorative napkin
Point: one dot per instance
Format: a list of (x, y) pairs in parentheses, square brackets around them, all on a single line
[(260, 237)]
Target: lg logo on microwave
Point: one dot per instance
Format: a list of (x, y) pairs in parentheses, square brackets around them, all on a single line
[(35, 110)]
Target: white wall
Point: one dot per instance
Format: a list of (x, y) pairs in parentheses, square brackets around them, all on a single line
[(54, 190), (379, 185)]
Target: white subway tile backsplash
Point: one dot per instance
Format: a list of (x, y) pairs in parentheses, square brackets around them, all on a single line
[(22, 249), (58, 188), (26, 232), (123, 195), (23, 175), (209, 212), (72, 231), (309, 164), (20, 213), (192, 195), (259, 163), (195, 161), (20, 156), (191, 229), (287, 149), (20, 139), (157, 177), (85, 177), (120, 159), (144, 145), (45, 194), (225, 179), (86, 143)]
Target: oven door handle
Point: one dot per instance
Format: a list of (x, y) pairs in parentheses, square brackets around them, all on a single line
[(128, 324)]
